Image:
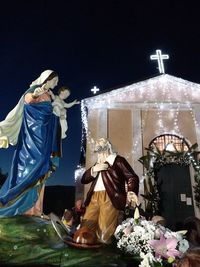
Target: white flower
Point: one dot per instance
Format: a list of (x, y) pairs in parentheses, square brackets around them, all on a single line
[(136, 214), (147, 260), (183, 245), (139, 230), (134, 236), (130, 248)]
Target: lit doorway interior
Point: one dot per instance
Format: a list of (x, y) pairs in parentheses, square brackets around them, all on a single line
[(173, 182)]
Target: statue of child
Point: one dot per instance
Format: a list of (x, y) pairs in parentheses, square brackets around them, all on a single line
[(60, 107)]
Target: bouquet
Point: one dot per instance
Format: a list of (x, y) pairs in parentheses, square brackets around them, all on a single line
[(152, 243)]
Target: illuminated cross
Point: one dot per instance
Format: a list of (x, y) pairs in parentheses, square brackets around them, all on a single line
[(159, 57), (94, 90)]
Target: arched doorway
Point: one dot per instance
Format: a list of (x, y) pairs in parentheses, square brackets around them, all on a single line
[(173, 180), (170, 142)]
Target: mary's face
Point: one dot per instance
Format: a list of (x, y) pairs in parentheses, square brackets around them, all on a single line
[(52, 83)]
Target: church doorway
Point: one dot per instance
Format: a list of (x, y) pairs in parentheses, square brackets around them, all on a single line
[(173, 180)]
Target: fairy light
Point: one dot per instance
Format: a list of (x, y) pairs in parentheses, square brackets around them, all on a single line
[(162, 93), (78, 173), (84, 116), (137, 93), (175, 120), (85, 128)]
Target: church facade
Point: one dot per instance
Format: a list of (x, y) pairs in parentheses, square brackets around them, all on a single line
[(134, 116)]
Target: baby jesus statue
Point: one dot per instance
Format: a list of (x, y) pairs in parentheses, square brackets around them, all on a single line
[(60, 106)]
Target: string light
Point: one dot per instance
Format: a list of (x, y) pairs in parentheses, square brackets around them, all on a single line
[(78, 173), (165, 94)]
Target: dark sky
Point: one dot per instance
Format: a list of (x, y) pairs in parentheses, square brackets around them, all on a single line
[(102, 43)]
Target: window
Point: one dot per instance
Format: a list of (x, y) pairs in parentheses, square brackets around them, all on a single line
[(170, 142)]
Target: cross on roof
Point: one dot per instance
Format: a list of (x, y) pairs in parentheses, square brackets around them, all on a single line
[(159, 57), (94, 90)]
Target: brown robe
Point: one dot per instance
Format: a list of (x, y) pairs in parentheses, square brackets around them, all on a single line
[(114, 179)]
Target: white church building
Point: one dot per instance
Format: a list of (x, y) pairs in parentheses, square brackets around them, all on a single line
[(135, 116), (159, 112)]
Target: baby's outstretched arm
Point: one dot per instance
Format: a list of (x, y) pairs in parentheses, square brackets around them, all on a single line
[(69, 105)]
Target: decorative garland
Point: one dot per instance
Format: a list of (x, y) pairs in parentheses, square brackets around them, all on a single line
[(155, 159)]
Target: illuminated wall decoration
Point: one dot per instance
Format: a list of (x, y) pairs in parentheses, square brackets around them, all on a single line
[(160, 105), (165, 94)]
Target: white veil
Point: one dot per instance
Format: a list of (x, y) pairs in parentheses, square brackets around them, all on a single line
[(10, 127)]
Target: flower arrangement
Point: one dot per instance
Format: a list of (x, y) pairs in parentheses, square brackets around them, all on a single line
[(152, 243)]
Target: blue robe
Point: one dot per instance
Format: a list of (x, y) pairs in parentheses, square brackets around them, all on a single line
[(32, 162)]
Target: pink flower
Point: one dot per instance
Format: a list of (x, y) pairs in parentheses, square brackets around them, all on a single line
[(165, 247), (127, 230)]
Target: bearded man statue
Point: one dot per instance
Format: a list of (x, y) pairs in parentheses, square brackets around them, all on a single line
[(107, 195)]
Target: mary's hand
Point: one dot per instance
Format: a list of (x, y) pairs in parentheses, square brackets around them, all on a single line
[(40, 91), (4, 142)]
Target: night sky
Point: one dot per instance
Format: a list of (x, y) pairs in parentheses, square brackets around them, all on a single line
[(102, 43)]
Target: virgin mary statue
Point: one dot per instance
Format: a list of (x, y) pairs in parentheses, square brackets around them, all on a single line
[(33, 128)]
